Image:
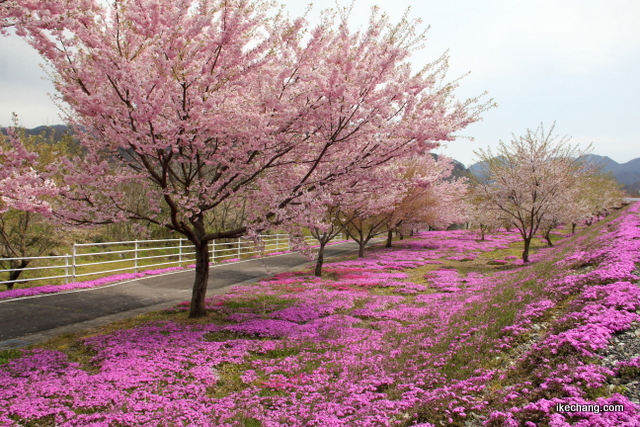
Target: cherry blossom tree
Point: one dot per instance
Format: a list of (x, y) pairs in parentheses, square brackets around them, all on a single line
[(417, 173), (602, 193), (594, 196), (362, 225), (446, 204), (528, 179), (26, 227), (22, 186), (482, 213), (597, 194), (362, 209), (390, 195), (434, 198), (326, 225), (324, 232), (418, 190), (558, 213), (365, 206), (200, 103)]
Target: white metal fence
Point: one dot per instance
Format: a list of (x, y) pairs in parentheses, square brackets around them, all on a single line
[(87, 259)]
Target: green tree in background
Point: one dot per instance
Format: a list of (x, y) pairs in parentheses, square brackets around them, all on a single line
[(30, 234)]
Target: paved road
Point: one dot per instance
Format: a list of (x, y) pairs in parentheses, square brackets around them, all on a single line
[(30, 320)]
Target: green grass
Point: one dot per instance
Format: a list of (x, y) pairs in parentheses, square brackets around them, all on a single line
[(229, 380), (6, 355), (261, 304)]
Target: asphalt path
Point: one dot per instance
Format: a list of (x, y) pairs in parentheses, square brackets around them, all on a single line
[(29, 320)]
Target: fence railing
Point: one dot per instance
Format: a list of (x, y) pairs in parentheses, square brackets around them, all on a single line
[(88, 259)]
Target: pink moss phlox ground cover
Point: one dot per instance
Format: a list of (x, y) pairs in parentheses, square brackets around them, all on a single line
[(460, 241), (445, 279), (606, 301), (356, 348)]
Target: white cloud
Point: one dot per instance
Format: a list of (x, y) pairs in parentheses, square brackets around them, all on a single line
[(24, 85)]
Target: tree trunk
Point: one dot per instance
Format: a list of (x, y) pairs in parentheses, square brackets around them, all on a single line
[(389, 238), (525, 252), (481, 232), (573, 228), (320, 259), (547, 237), (15, 274), (361, 248), (199, 294)]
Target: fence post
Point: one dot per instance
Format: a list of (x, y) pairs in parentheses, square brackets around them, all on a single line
[(73, 262), (213, 252), (135, 259), (180, 253), (239, 243), (288, 242), (66, 268), (277, 243)]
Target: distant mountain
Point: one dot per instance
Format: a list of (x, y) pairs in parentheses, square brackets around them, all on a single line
[(477, 170), (607, 165), (459, 170), (633, 189), (54, 132), (627, 174)]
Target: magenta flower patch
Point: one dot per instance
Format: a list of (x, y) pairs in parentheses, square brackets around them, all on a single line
[(368, 348)]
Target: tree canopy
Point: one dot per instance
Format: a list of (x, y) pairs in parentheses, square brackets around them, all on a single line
[(202, 103)]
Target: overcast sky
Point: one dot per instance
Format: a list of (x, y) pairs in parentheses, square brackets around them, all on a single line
[(575, 62)]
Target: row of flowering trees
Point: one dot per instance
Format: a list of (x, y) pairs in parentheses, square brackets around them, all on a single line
[(534, 184), (419, 192), (187, 110), (198, 105), (538, 182)]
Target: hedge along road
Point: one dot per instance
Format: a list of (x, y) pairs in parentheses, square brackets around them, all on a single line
[(31, 320)]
